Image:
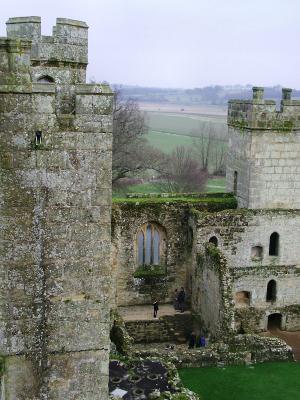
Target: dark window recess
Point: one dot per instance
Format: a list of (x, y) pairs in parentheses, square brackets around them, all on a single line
[(235, 181), (274, 244), (214, 241), (256, 253), (243, 298), (38, 137), (46, 79), (271, 291)]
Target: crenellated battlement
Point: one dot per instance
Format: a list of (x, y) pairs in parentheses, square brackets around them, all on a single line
[(51, 70), (258, 113), (68, 44)]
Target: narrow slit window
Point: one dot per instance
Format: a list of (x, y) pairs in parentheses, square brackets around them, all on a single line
[(274, 244), (235, 182), (271, 291), (38, 137)]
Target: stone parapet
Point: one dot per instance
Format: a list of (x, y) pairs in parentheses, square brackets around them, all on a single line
[(68, 43), (262, 114)]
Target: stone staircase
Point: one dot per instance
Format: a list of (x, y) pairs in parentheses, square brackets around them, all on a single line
[(167, 328)]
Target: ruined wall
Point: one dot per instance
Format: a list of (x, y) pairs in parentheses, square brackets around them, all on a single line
[(171, 214), (237, 232), (126, 221), (211, 285), (264, 149), (54, 232)]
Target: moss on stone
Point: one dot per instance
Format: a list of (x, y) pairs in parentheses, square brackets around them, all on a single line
[(2, 365), (150, 271)]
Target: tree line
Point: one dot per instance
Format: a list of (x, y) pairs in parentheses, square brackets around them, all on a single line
[(217, 94)]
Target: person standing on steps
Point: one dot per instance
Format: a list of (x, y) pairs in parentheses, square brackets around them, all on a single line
[(181, 299), (155, 309), (175, 299)]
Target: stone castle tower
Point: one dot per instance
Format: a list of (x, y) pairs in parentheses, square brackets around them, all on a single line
[(264, 158), (55, 205)]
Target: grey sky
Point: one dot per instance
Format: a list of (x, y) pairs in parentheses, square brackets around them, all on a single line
[(181, 43)]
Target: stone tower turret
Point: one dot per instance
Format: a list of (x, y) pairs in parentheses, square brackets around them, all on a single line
[(263, 166), (55, 202)]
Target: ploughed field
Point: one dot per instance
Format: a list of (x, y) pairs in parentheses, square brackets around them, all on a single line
[(268, 381)]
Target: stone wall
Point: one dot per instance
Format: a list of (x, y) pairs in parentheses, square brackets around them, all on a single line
[(171, 216), (264, 150), (211, 292), (237, 232), (127, 219), (55, 240)]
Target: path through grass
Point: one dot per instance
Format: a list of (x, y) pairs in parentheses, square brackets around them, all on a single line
[(269, 381)]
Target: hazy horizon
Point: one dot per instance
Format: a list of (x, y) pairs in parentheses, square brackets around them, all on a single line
[(171, 44)]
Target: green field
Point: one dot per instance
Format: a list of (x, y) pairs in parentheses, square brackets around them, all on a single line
[(186, 124), (167, 142), (269, 381), (212, 186), (166, 131)]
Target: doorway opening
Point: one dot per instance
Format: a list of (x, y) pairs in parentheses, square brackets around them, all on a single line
[(274, 321)]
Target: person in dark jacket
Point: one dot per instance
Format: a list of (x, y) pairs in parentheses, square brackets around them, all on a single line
[(155, 308), (192, 340), (181, 299), (175, 299)]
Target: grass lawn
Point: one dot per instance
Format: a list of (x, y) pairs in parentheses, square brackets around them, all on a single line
[(216, 185), (268, 381)]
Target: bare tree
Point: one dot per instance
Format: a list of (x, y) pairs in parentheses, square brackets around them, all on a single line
[(209, 149), (131, 153), (219, 159), (203, 145), (181, 173)]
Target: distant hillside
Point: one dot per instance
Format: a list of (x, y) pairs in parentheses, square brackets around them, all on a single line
[(213, 95)]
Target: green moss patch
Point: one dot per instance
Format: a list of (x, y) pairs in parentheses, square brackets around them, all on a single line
[(208, 201), (150, 271)]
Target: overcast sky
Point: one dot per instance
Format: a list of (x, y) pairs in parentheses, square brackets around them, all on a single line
[(181, 43)]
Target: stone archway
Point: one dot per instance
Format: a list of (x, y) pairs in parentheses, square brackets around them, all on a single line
[(274, 321)]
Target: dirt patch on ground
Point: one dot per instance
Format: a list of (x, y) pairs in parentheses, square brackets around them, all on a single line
[(291, 338)]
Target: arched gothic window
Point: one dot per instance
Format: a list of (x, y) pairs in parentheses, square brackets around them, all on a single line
[(150, 245), (274, 244)]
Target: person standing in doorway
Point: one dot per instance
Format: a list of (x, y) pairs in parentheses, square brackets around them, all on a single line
[(155, 308), (181, 299)]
